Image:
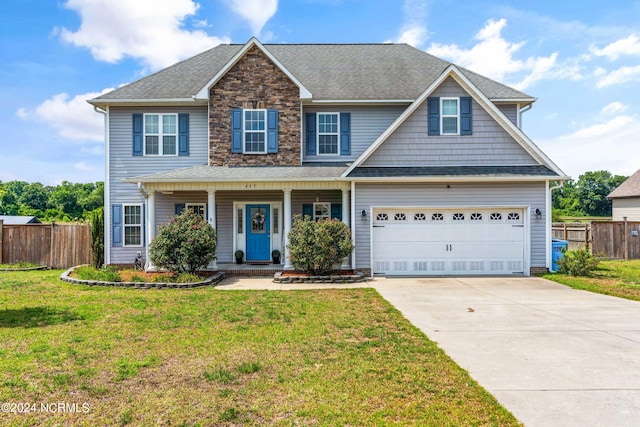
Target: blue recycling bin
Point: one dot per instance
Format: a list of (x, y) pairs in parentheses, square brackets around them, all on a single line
[(558, 246)]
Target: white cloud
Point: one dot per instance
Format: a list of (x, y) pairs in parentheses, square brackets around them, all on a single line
[(619, 76), (626, 46), (72, 118), (614, 108), (494, 57), (413, 31), (83, 166), (256, 12), (610, 145), (146, 30)]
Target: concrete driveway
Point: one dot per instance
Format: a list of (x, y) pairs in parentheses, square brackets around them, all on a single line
[(552, 355)]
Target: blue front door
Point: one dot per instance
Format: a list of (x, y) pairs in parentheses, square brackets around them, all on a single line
[(258, 245)]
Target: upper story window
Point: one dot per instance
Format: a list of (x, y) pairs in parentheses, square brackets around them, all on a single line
[(156, 134), (255, 131), (160, 134), (328, 133), (449, 115)]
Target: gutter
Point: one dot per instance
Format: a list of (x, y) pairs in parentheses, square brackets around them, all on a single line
[(142, 190), (549, 225)]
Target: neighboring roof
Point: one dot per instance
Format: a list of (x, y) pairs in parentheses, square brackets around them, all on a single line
[(19, 220), (358, 72), (629, 188), (453, 171), (204, 173)]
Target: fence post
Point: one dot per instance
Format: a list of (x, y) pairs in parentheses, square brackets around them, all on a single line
[(1, 226), (564, 231), (625, 240)]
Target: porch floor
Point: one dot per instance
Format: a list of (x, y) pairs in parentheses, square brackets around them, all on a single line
[(232, 269)]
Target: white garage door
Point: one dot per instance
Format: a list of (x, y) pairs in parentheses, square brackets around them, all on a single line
[(428, 241)]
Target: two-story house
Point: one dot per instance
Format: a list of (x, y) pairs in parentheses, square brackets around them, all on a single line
[(424, 160)]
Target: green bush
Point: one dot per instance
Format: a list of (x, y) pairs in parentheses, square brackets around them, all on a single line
[(578, 262), (96, 220), (315, 247), (186, 244), (105, 274)]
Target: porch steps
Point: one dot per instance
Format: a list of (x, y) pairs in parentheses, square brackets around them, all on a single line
[(252, 270)]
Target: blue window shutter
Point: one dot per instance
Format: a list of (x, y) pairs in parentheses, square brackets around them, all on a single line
[(236, 130), (144, 226), (465, 115), (179, 208), (311, 134), (307, 209), (433, 104), (345, 134), (137, 135), (272, 131), (116, 225), (183, 134), (336, 211)]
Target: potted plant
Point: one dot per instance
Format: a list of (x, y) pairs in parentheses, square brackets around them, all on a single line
[(275, 256), (239, 256)]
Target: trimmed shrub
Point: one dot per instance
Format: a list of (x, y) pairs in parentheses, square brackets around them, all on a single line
[(186, 244), (315, 247), (578, 262), (96, 220)]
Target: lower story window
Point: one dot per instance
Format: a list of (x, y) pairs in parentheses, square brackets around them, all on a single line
[(197, 208), (132, 225), (321, 210)]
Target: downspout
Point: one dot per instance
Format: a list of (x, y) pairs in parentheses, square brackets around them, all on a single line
[(107, 186), (147, 224), (549, 209), (521, 112)]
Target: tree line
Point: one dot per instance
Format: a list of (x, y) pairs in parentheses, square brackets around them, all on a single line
[(65, 202), (587, 196)]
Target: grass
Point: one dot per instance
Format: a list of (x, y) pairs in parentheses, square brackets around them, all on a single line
[(616, 278), (19, 265), (209, 357)]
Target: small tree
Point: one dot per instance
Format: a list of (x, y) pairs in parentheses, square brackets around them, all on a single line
[(96, 220), (186, 244), (315, 247), (578, 262)]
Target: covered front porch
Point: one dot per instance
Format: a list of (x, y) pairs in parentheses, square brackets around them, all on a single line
[(252, 217)]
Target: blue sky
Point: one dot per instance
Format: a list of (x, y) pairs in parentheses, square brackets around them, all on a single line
[(579, 58)]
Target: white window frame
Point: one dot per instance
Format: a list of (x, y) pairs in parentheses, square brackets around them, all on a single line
[(318, 217), (125, 226), (245, 131), (197, 205), (318, 133), (160, 134), (443, 115)]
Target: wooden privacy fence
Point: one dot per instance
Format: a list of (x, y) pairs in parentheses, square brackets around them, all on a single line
[(578, 234), (56, 246), (616, 239)]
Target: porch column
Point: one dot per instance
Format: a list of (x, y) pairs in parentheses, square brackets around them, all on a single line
[(211, 205), (287, 228), (346, 218), (151, 228)]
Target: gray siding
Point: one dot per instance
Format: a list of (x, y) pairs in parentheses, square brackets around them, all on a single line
[(489, 145), (367, 123), (626, 207), (481, 194), (125, 165), (509, 110)]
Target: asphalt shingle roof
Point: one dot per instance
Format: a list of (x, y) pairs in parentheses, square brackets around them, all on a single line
[(629, 188), (328, 71), (452, 171), (206, 173)]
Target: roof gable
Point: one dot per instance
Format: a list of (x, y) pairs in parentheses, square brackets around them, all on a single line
[(453, 72), (203, 93), (629, 188)]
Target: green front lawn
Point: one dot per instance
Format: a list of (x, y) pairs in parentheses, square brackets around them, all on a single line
[(210, 357), (616, 278)]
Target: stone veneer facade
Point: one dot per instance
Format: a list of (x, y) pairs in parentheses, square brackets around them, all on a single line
[(254, 82)]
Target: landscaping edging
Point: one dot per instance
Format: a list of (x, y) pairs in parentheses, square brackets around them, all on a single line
[(351, 278), (209, 281), (40, 267)]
